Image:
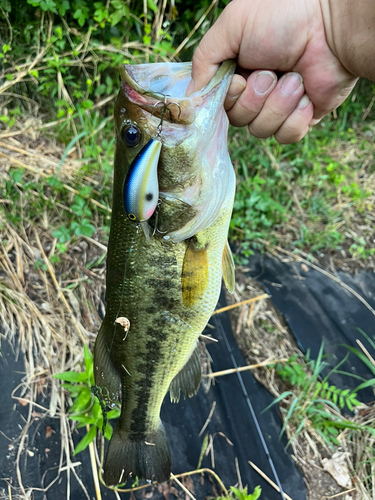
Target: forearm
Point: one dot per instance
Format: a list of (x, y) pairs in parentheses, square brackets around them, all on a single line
[(350, 31)]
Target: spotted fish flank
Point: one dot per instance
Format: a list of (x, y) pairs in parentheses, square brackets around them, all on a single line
[(167, 286)]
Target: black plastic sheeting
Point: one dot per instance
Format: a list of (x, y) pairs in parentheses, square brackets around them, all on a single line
[(183, 422), (318, 309)]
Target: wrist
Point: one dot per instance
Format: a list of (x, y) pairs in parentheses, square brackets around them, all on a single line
[(350, 33)]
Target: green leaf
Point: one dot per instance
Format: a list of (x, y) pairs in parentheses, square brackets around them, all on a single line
[(16, 174), (116, 18), (88, 362), (108, 431), (86, 440), (83, 419), (73, 389), (203, 450), (82, 402), (115, 413), (71, 376), (151, 5)]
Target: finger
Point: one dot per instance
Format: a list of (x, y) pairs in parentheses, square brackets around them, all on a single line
[(314, 121), (279, 105), (236, 87), (297, 124), (244, 107), (221, 42)]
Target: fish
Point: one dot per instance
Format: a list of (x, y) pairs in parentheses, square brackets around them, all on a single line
[(163, 286)]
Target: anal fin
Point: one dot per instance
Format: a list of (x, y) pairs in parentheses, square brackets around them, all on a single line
[(228, 268), (106, 376), (187, 379)]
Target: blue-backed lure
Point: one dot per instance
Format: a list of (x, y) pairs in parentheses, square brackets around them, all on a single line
[(141, 186)]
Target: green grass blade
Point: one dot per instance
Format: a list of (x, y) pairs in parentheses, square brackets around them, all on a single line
[(288, 416), (68, 148), (277, 400)]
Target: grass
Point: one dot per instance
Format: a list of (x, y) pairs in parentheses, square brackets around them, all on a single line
[(315, 196)]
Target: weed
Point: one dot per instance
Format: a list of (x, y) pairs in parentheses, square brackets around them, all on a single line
[(242, 494), (87, 410), (314, 403), (306, 195)]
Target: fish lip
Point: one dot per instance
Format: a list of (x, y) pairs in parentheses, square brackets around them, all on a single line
[(226, 67), (184, 111)]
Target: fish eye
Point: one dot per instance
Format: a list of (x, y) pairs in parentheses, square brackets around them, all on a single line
[(131, 135)]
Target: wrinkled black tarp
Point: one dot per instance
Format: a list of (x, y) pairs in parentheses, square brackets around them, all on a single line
[(318, 309)]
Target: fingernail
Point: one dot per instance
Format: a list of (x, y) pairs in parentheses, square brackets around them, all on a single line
[(189, 88), (303, 102), (291, 83), (263, 82), (236, 87)]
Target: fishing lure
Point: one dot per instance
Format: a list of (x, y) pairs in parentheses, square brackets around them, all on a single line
[(141, 186)]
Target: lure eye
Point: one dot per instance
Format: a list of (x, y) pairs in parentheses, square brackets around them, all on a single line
[(131, 135)]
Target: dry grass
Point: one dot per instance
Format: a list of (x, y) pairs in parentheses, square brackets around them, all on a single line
[(46, 320)]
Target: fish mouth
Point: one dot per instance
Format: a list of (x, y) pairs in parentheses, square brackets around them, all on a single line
[(151, 85)]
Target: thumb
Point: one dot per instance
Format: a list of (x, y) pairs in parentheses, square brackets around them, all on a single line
[(221, 42)]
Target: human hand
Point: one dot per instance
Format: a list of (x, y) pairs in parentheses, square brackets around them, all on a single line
[(287, 36)]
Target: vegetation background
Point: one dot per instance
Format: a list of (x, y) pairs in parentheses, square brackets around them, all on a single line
[(59, 64), (59, 78)]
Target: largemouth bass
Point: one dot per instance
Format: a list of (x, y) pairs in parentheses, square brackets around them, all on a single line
[(165, 277)]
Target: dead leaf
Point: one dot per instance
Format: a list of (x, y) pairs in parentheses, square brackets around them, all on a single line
[(23, 401), (338, 468), (49, 431), (166, 489)]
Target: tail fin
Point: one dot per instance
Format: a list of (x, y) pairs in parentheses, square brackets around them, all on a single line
[(146, 459)]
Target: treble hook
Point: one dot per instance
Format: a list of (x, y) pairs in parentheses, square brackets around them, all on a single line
[(165, 107)]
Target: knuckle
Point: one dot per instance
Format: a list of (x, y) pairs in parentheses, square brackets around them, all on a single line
[(199, 53), (258, 131), (240, 115), (290, 135)]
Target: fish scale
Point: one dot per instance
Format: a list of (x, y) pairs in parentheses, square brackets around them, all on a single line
[(168, 285)]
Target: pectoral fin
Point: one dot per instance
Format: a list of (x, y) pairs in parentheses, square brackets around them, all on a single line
[(194, 278), (228, 268), (188, 379)]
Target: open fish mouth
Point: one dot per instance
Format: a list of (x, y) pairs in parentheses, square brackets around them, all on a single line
[(148, 84)]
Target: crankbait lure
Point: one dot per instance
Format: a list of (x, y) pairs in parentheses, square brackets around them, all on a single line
[(141, 186)]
